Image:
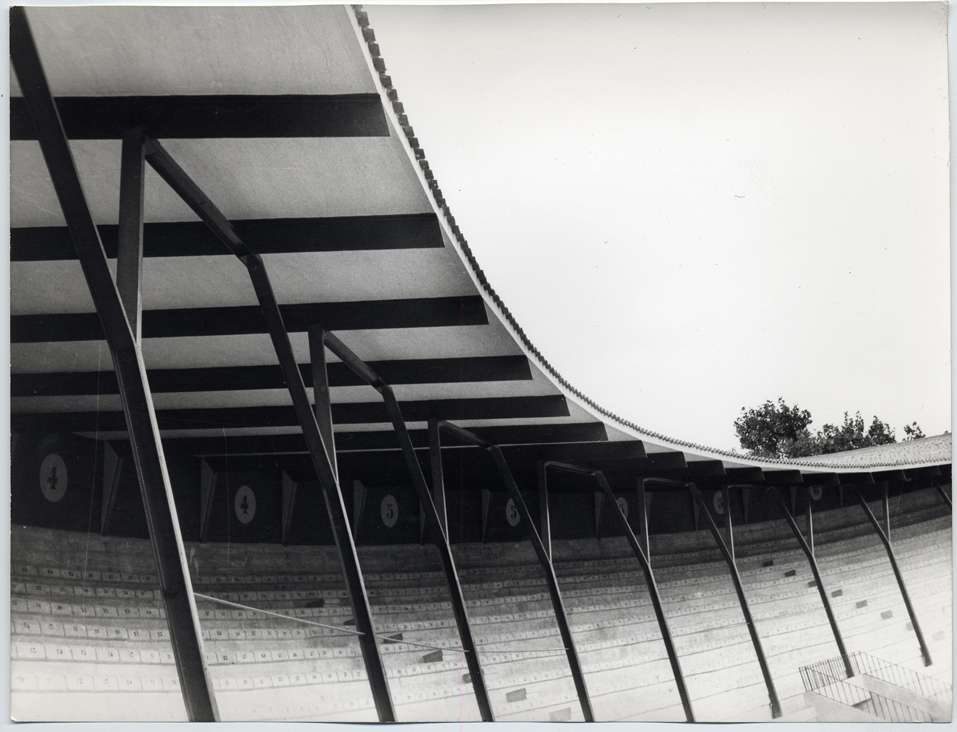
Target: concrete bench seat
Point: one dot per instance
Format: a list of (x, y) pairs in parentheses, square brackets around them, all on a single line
[(725, 704), (621, 698)]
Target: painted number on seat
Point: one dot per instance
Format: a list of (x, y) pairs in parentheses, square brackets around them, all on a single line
[(623, 505), (718, 502), (245, 504), (53, 477), (511, 513), (390, 511)]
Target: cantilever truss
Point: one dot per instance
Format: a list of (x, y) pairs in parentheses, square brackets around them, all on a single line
[(116, 315), (119, 310)]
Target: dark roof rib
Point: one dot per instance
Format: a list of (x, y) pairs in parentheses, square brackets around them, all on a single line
[(346, 441), (237, 378), (205, 116), (532, 407), (266, 236), (189, 322)]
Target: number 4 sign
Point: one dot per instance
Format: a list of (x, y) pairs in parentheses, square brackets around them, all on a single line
[(53, 477), (245, 504)]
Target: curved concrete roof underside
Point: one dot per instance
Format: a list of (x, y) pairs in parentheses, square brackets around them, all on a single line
[(350, 221)]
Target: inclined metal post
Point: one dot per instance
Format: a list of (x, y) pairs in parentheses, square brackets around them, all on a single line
[(439, 531), (643, 534), (739, 589), (943, 494), (544, 518), (129, 254), (112, 471), (438, 475), (456, 594), (550, 579), (728, 528), (924, 650), (180, 182), (815, 570), (809, 520), (147, 449), (885, 485), (653, 592), (320, 391)]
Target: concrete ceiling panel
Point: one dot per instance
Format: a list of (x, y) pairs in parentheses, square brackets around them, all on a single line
[(128, 51)]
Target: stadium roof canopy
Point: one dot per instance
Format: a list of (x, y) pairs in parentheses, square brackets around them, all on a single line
[(286, 118), (288, 211)]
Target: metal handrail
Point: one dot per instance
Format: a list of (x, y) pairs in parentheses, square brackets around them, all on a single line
[(892, 673), (824, 672), (817, 680), (904, 677)]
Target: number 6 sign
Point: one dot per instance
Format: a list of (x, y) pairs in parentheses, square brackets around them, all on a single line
[(718, 502)]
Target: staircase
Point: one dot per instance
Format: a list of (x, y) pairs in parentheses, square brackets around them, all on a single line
[(876, 691)]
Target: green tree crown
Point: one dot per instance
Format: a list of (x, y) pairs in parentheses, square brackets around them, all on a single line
[(776, 430)]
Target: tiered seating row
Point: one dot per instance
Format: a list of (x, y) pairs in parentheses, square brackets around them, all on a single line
[(105, 629)]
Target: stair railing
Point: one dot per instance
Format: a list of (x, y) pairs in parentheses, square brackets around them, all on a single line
[(904, 677), (819, 679)]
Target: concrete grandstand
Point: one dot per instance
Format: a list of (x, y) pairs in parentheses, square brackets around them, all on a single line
[(281, 453)]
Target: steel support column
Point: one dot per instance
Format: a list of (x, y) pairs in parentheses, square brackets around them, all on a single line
[(180, 182), (129, 256), (545, 521), (112, 471), (739, 589), (438, 474), (809, 516), (643, 560), (943, 494), (924, 651), (728, 527), (885, 491), (643, 534), (807, 547), (439, 531), (551, 581), (147, 449), (322, 399)]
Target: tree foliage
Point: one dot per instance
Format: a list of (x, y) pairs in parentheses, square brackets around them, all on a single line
[(779, 431), (912, 432), (774, 430)]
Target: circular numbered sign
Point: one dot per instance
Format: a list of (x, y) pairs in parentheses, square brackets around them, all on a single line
[(245, 504), (816, 492), (389, 510), (511, 513), (623, 505), (718, 502), (53, 477)]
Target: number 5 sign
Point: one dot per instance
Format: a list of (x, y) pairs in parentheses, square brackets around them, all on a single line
[(511, 513), (389, 511)]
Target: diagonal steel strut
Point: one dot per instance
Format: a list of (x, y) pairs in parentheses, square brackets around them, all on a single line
[(194, 197), (147, 449)]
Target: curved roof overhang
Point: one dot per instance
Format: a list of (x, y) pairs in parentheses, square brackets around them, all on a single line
[(310, 155)]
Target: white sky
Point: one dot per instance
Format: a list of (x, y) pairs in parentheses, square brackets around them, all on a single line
[(691, 209)]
